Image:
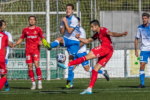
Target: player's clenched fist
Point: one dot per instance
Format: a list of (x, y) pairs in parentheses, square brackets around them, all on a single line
[(64, 19), (124, 33)]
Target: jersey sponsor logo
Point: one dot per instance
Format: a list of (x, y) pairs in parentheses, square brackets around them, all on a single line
[(97, 48), (32, 37)]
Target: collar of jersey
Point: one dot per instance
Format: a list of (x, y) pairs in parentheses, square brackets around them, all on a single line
[(147, 26), (69, 17), (31, 28)]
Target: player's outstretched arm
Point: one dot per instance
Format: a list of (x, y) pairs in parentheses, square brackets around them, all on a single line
[(114, 34), (10, 44), (136, 44), (18, 42), (85, 41)]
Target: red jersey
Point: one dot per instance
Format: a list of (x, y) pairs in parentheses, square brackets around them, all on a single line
[(104, 39), (32, 38), (3, 45)]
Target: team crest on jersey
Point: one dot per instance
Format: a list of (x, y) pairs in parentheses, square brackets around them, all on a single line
[(35, 32)]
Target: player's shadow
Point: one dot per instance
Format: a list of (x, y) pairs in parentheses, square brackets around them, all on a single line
[(64, 88), (19, 88), (64, 92), (128, 86)]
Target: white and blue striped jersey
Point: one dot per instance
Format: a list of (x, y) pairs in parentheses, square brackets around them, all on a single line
[(72, 22), (82, 35), (144, 33), (9, 39)]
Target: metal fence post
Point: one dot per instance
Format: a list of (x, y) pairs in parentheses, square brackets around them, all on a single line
[(125, 62), (140, 11), (48, 75), (57, 37)]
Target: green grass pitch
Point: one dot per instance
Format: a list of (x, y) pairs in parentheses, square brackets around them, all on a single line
[(115, 89)]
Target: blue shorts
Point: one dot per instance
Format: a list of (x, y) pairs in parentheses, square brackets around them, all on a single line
[(144, 56), (6, 61), (85, 63), (72, 46)]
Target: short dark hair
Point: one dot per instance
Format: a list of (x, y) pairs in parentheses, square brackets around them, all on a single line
[(32, 16), (78, 19), (95, 22), (1, 24), (70, 4), (3, 21), (146, 14)]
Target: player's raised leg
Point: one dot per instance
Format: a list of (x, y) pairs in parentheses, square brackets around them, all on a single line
[(89, 56), (53, 44)]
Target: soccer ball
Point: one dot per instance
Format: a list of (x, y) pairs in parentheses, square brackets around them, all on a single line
[(61, 57)]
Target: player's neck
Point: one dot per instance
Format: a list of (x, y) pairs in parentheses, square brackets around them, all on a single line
[(70, 15), (98, 30), (31, 27)]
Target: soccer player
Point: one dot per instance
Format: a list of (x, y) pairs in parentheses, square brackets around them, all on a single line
[(32, 34), (10, 44), (102, 52), (3, 47), (82, 52), (69, 26), (143, 31)]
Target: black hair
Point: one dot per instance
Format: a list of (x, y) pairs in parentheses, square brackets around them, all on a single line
[(78, 19), (145, 14), (95, 22), (32, 16), (1, 24), (3, 21), (70, 4)]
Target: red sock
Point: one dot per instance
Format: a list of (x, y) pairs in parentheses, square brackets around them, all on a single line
[(38, 73), (77, 61), (2, 82), (31, 75), (93, 78)]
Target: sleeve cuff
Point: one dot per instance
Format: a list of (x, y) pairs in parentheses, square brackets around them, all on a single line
[(72, 26), (137, 37)]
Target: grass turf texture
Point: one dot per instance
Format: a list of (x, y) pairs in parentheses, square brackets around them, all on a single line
[(115, 89)]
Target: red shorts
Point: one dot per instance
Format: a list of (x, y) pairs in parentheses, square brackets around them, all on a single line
[(32, 57), (3, 69), (103, 54)]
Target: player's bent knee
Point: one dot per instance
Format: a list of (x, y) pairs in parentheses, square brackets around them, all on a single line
[(60, 39)]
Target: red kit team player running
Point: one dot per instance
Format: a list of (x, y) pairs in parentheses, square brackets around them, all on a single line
[(33, 42), (3, 49), (102, 52)]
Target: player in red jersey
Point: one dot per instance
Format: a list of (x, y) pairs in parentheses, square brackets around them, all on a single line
[(3, 48), (33, 42), (102, 52)]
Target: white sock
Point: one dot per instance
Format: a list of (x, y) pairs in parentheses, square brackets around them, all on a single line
[(39, 82), (33, 83), (103, 72), (90, 69), (71, 86), (89, 89)]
